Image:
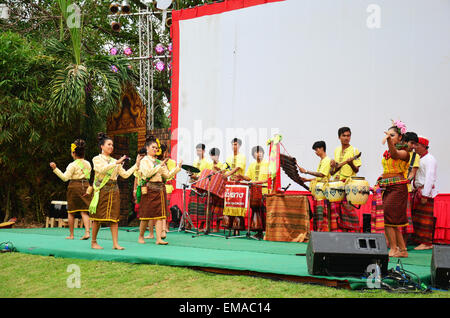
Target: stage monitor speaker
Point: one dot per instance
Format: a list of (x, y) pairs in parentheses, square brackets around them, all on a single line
[(440, 266), (345, 254)]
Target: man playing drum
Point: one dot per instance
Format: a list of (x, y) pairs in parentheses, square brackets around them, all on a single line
[(345, 165), (320, 207)]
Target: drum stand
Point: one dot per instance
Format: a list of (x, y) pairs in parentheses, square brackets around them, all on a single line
[(206, 232), (247, 235), (185, 216)]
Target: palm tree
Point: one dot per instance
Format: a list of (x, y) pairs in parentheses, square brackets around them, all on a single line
[(88, 87)]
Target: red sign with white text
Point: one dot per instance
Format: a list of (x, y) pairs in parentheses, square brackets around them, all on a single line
[(236, 196)]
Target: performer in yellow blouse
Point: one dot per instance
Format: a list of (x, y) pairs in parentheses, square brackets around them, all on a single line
[(77, 173), (105, 204), (395, 195), (322, 221), (345, 164), (153, 195), (258, 174), (236, 161)]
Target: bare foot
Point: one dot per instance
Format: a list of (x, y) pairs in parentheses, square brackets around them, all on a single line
[(162, 243), (141, 240), (85, 237), (94, 245), (163, 235), (393, 251), (69, 238), (149, 237), (401, 253), (422, 247), (118, 247)]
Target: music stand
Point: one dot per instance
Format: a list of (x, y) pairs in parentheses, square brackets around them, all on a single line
[(206, 232), (185, 214), (247, 235)]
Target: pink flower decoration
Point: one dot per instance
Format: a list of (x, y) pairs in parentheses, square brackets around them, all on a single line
[(159, 48), (169, 47), (113, 51), (128, 51), (114, 68), (400, 125), (160, 66)]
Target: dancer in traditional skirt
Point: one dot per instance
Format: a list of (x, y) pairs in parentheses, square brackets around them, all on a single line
[(171, 164), (320, 207), (425, 192), (258, 174), (77, 173), (152, 191), (105, 204), (395, 189), (411, 139), (345, 165)]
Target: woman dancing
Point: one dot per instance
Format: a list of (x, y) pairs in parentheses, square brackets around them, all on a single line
[(105, 204), (77, 173), (151, 193)]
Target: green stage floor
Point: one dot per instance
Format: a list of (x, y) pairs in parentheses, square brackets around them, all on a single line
[(237, 255)]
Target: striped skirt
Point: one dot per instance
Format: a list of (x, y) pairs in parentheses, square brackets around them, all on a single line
[(76, 202), (395, 201), (108, 208), (325, 219), (348, 219), (153, 205), (423, 221)]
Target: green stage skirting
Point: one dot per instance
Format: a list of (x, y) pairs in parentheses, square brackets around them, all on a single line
[(234, 254)]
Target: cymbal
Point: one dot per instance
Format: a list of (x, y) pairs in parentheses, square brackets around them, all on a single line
[(190, 168)]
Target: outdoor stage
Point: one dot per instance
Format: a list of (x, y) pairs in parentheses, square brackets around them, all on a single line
[(240, 256)]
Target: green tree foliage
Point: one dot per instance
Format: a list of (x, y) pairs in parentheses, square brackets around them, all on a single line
[(56, 85)]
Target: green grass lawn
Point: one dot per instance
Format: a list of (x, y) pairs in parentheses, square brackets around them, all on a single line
[(31, 276)]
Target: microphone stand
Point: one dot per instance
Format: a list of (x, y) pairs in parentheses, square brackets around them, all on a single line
[(185, 213)]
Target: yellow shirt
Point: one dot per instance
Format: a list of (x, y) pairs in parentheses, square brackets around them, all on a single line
[(324, 168), (202, 164), (237, 161), (259, 172), (394, 166), (171, 165), (74, 171), (156, 172), (220, 165), (102, 164), (415, 164), (340, 156)]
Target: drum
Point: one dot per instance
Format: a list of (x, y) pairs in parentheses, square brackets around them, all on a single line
[(335, 191), (216, 186), (319, 191), (256, 197), (58, 209), (357, 190)]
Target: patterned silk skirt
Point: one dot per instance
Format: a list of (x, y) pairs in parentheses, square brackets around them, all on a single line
[(153, 205)]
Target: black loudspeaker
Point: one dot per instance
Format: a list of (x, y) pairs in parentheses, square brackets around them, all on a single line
[(176, 216), (440, 266), (346, 254)]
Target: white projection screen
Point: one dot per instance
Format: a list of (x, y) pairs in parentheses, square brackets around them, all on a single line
[(304, 68)]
